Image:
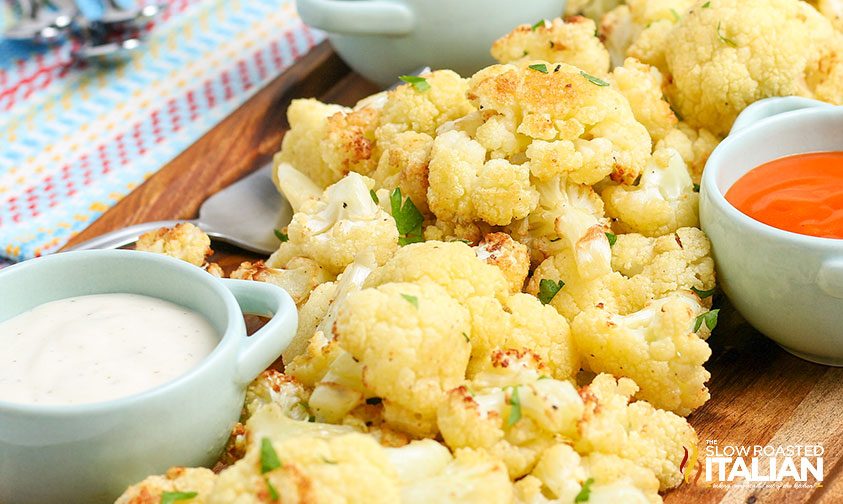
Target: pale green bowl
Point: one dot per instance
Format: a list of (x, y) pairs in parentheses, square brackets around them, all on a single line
[(89, 453), (788, 286)]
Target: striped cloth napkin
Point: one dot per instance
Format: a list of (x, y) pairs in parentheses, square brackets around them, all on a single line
[(74, 141)]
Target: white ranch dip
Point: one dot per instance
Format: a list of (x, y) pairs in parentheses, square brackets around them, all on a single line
[(95, 348)]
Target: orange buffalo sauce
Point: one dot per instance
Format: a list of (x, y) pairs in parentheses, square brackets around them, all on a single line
[(801, 193)]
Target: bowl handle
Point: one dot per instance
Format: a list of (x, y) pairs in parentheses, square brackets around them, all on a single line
[(830, 277), (261, 349), (769, 107), (360, 17)]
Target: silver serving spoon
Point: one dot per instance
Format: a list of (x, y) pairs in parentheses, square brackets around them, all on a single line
[(244, 214)]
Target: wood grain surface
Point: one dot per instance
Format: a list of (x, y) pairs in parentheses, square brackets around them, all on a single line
[(760, 394)]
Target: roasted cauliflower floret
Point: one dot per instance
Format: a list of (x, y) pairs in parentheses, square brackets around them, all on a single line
[(521, 323), (658, 347), (572, 41), (511, 410), (465, 187), (651, 438), (410, 341), (429, 473), (197, 481), (274, 387), (593, 9), (183, 241), (451, 265), (663, 201), (643, 269), (720, 63), (404, 164), (337, 227), (511, 257), (293, 461), (561, 475), (641, 84), (299, 276), (694, 145)]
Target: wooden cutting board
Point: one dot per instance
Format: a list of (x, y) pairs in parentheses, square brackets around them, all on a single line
[(760, 394)]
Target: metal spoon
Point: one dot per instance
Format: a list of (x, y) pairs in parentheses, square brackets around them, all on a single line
[(244, 214)]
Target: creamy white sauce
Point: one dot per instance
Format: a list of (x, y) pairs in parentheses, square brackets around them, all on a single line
[(95, 348)]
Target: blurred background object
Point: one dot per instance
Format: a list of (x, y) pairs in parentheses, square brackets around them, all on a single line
[(382, 39)]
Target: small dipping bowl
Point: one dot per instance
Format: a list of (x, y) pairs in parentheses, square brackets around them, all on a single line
[(89, 453), (787, 285)]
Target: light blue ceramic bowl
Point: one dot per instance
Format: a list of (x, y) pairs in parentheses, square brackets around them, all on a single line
[(382, 39), (788, 286), (89, 453)]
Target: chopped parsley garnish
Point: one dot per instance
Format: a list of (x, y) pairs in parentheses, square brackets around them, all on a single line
[(374, 196), (548, 289), (696, 187), (420, 83), (539, 23), (676, 15), (467, 340), (585, 491), (172, 497), (594, 80), (703, 293), (374, 400), (539, 67), (612, 237), (544, 377), (407, 217), (706, 5), (710, 319), (675, 112), (329, 461), (723, 38), (413, 300), (281, 236), (269, 459), (273, 493), (515, 408)]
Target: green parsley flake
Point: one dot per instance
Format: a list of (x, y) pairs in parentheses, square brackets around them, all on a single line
[(515, 408), (172, 497), (539, 67), (374, 401), (544, 377), (676, 15), (269, 459), (273, 493), (706, 5), (467, 340), (281, 236), (703, 293), (539, 23), (548, 289), (723, 38), (585, 491), (374, 196), (696, 187), (407, 217), (710, 319), (594, 80), (612, 237), (420, 83), (329, 461), (413, 300)]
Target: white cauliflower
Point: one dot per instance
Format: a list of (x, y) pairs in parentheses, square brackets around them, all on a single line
[(663, 201), (298, 277), (641, 84), (572, 40), (410, 341), (512, 410), (643, 269), (511, 257), (658, 347), (694, 145), (183, 241), (640, 28), (178, 480), (650, 438), (341, 224)]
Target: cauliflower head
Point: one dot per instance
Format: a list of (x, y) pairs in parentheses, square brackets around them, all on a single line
[(344, 222), (177, 479), (694, 145), (643, 269), (512, 409), (663, 201), (658, 347), (641, 84), (720, 63), (410, 341), (650, 438), (510, 256), (183, 241), (572, 40), (299, 277)]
